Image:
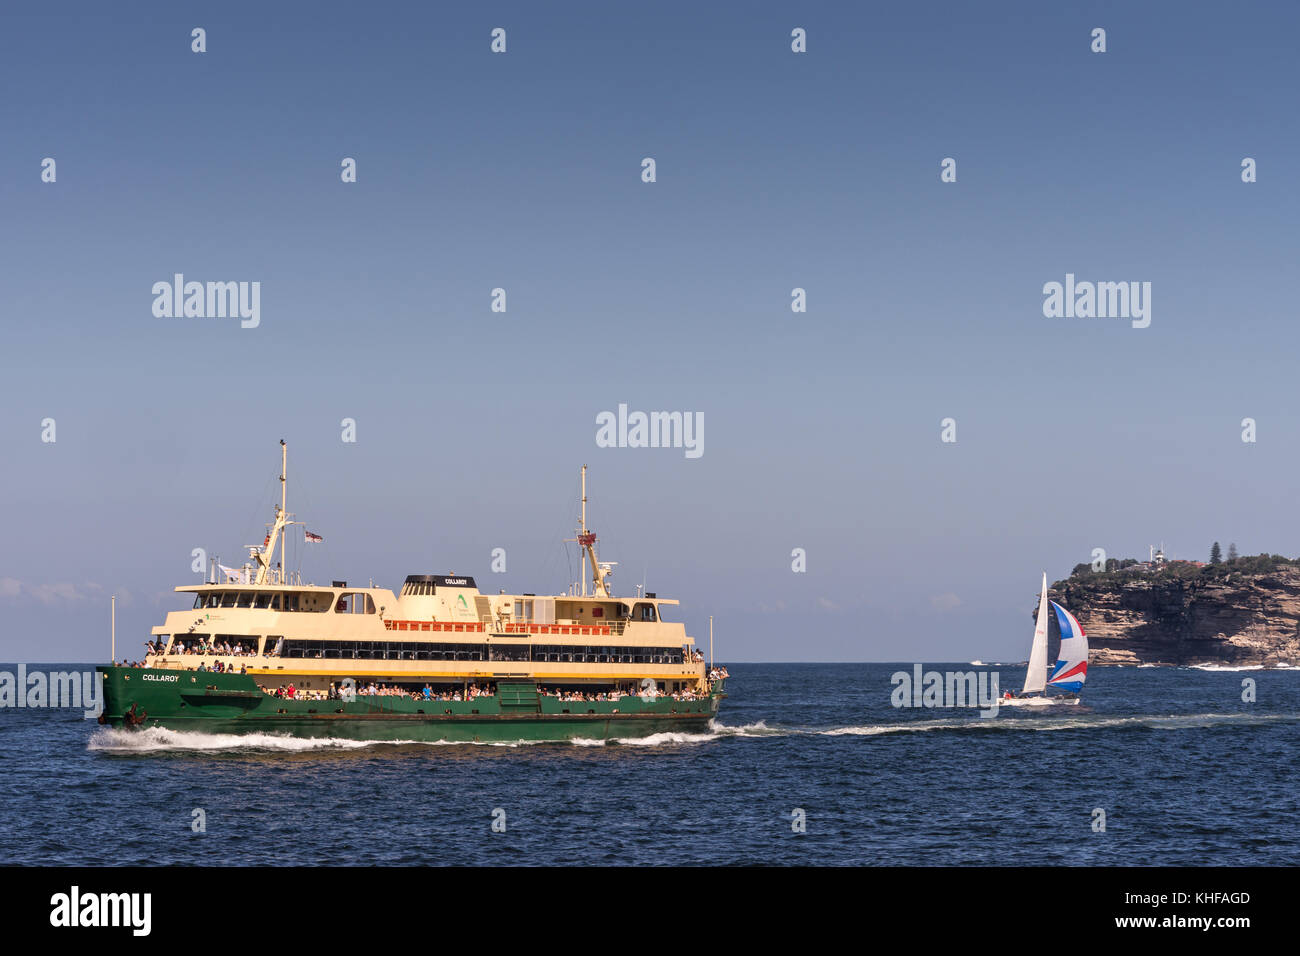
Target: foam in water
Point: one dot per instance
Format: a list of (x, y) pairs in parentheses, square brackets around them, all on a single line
[(160, 738), (1037, 723)]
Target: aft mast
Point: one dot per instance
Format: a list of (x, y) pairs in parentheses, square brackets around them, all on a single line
[(587, 539)]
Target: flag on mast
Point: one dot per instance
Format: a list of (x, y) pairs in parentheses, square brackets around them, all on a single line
[(310, 538)]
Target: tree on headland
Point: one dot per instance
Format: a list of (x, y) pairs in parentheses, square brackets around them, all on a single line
[(1232, 551), (1216, 556)]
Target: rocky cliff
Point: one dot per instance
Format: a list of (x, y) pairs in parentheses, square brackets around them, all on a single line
[(1185, 615)]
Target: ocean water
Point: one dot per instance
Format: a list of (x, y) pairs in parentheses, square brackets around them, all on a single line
[(1184, 770)]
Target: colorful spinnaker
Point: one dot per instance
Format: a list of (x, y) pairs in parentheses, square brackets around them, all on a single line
[(1071, 668)]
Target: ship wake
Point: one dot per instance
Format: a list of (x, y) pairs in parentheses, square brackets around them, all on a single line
[(155, 739)]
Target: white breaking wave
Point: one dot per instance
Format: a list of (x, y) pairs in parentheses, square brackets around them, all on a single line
[(160, 738), (1037, 723), (716, 732), (758, 729), (1228, 667)]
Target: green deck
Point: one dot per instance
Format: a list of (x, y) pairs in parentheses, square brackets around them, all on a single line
[(233, 703)]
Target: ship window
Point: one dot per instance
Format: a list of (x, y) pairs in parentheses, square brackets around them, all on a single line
[(245, 599), (643, 612), (198, 601), (214, 599), (263, 600), (229, 598), (356, 602), (275, 602)]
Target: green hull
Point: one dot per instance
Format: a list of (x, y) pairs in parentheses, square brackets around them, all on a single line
[(233, 704)]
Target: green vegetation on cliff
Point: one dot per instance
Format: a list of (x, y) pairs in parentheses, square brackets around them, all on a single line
[(1231, 571)]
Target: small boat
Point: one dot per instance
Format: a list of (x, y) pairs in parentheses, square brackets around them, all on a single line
[(1071, 667)]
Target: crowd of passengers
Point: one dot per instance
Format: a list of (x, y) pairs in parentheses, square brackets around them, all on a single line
[(472, 692), (205, 646)]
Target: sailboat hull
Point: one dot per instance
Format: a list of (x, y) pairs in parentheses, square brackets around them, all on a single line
[(1037, 702)]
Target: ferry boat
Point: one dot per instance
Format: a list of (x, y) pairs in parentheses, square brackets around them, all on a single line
[(260, 651)]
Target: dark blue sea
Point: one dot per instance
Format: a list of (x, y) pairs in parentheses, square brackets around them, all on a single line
[(1184, 771)]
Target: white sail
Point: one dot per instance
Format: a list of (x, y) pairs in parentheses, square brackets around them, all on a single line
[(1036, 675)]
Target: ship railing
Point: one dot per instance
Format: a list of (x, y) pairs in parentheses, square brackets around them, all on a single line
[(460, 627), (514, 627), (534, 627)]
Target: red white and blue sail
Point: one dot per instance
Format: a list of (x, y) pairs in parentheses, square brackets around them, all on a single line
[(1071, 667)]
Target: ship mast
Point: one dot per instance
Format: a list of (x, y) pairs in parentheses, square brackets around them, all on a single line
[(262, 556), (587, 539), (582, 533), (284, 489)]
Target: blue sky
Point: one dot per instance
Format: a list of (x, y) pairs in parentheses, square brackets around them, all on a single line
[(522, 171)]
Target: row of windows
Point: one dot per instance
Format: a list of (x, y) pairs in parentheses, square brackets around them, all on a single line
[(349, 603), (539, 653), (264, 600), (569, 653)]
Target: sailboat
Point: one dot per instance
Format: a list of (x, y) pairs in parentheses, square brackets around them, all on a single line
[(1071, 667)]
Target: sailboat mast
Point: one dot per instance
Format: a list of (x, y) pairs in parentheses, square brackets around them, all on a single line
[(1036, 672)]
